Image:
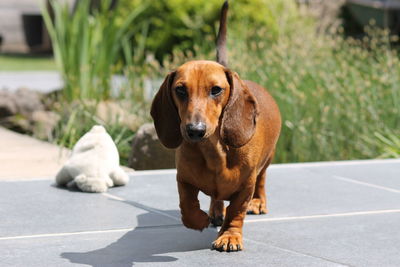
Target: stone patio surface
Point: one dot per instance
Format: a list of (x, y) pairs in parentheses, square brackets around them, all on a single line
[(321, 214)]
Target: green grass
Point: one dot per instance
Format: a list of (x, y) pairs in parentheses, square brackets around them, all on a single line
[(26, 63)]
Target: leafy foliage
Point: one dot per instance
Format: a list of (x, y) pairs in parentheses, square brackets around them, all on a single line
[(183, 24), (87, 44), (339, 97), (334, 92)]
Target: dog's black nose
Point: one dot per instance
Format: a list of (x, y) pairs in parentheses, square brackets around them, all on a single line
[(196, 131)]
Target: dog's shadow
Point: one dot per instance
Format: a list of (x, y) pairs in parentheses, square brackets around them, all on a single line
[(145, 244)]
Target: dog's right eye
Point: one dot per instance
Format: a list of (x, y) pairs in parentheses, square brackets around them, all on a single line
[(181, 91)]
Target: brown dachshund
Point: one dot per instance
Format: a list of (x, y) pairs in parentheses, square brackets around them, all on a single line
[(225, 131)]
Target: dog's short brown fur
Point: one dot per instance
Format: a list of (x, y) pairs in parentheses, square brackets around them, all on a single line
[(235, 133)]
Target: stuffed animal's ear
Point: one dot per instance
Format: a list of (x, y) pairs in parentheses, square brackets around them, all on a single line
[(165, 115), (239, 116)]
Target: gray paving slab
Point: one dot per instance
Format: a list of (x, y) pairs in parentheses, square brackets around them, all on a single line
[(381, 173), (298, 192), (365, 240), (172, 246), (315, 219), (155, 189), (39, 207), (291, 192)]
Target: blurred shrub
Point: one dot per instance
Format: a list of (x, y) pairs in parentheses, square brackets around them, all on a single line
[(87, 44), (182, 24), (78, 117), (338, 97), (173, 23), (277, 17), (387, 142)]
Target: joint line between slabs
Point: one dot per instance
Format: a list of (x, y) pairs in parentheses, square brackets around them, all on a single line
[(66, 234), (121, 230), (346, 214), (292, 251), (141, 206), (392, 190)]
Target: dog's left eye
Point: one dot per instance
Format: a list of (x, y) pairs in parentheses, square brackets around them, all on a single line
[(216, 91)]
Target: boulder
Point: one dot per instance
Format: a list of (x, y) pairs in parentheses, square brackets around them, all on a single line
[(22, 101), (113, 112), (147, 151), (23, 111), (43, 124), (28, 101), (8, 107)]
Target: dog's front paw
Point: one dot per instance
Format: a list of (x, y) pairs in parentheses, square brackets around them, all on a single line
[(197, 220), (257, 206), (229, 242)]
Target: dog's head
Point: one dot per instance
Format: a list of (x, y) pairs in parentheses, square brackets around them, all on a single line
[(202, 98)]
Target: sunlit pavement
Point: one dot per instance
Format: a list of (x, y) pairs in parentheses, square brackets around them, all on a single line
[(321, 214)]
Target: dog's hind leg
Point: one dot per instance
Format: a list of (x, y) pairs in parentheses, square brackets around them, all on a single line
[(258, 204), (216, 212)]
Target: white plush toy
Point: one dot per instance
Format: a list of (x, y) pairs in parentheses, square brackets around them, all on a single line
[(94, 163)]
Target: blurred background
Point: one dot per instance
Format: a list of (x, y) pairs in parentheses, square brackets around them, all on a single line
[(332, 66)]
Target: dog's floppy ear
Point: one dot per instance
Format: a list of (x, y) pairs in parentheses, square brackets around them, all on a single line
[(165, 115), (239, 116)]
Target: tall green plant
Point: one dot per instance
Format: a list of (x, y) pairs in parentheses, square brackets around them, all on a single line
[(87, 44), (339, 97), (78, 119), (334, 93)]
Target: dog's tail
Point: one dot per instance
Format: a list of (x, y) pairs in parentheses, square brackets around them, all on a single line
[(222, 57)]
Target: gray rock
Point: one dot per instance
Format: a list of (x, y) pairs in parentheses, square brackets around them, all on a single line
[(8, 107), (43, 124), (23, 111), (28, 101), (147, 151), (22, 101)]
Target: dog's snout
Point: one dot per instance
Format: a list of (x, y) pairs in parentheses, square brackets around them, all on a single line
[(196, 131)]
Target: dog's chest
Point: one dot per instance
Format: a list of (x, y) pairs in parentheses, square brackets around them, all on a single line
[(219, 185), (212, 169)]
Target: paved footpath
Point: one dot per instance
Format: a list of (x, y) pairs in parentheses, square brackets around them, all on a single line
[(321, 214), (23, 157)]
